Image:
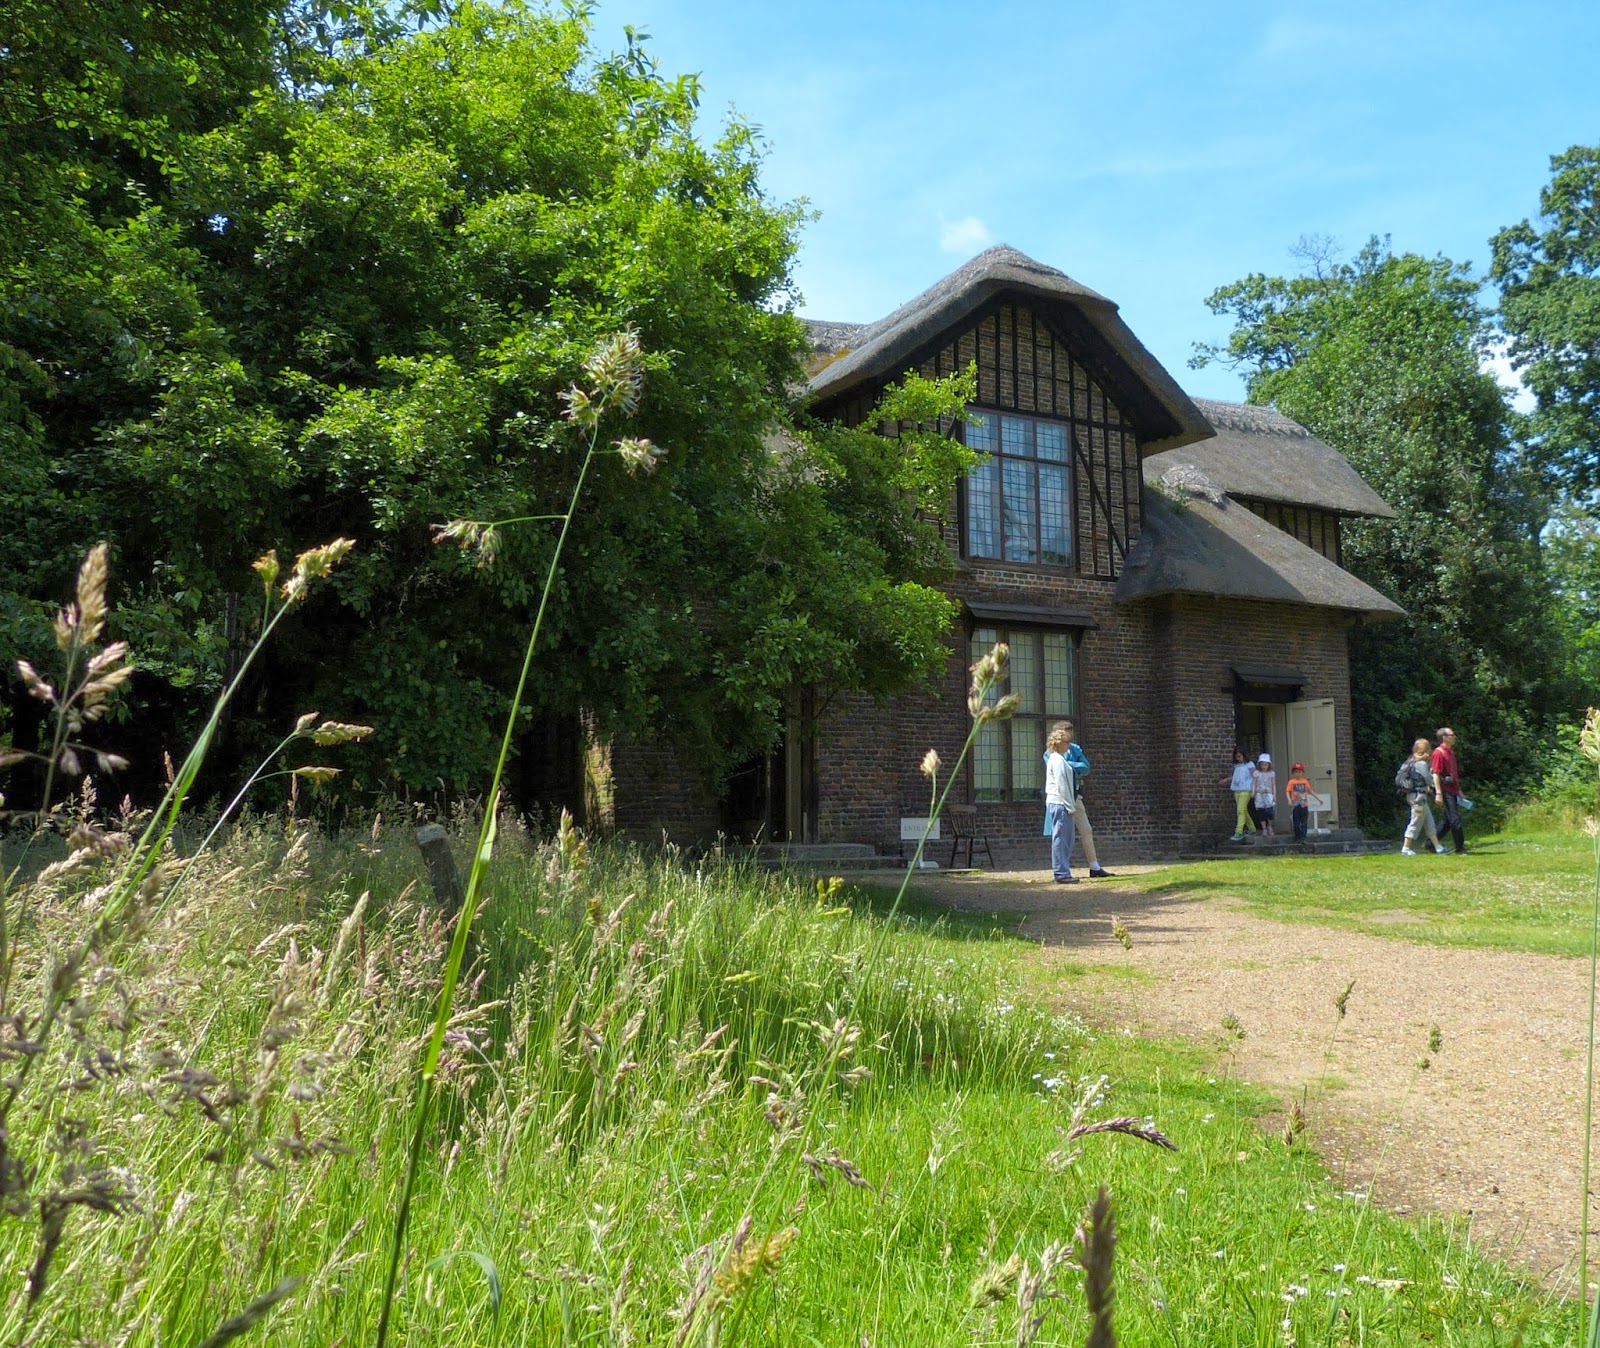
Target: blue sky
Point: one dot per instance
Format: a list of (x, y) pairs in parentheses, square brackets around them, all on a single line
[(1153, 151)]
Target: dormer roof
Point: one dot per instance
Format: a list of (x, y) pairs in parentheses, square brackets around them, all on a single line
[(1261, 454)]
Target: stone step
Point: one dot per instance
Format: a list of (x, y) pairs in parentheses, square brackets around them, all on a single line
[(823, 857), (1343, 842), (816, 852)]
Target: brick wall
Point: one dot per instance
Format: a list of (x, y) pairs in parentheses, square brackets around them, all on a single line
[(1207, 638), (654, 794), (1156, 717)]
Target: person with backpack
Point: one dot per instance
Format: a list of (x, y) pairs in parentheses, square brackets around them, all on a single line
[(1414, 780)]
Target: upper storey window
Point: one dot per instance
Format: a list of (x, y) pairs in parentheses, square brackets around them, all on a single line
[(1019, 500)]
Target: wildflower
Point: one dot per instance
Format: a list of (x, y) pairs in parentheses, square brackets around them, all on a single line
[(931, 764), (641, 456), (1232, 1025)]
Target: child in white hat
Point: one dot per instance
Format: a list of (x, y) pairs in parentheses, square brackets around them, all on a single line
[(1264, 782)]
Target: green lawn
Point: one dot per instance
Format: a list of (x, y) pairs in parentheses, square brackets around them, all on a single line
[(1532, 892), (642, 1063)]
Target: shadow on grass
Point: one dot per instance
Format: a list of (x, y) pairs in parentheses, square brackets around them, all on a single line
[(923, 910), (1075, 918)]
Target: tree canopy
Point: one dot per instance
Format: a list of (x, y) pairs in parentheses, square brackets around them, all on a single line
[(1380, 356), (1549, 279), (341, 295)]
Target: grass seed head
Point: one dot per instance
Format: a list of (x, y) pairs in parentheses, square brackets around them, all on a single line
[(1589, 735), (315, 564), (1342, 1001), (1143, 1129), (931, 763), (995, 1284), (1095, 1246), (339, 732), (988, 674), (748, 1260), (1119, 930), (639, 455), (267, 567), (617, 371)]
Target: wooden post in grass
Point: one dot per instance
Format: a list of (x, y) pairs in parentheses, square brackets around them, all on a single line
[(434, 843)]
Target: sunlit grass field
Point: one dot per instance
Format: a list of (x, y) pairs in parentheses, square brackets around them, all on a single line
[(641, 1063), (1520, 891)]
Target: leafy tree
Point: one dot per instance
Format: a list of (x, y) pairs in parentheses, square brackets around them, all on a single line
[(350, 306), (1549, 279), (1380, 357)]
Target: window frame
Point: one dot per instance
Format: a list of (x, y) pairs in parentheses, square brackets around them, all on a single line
[(999, 457), (1006, 730)]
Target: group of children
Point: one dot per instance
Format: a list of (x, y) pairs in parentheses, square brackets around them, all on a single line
[(1255, 786)]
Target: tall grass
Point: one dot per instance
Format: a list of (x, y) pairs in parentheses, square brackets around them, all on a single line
[(611, 1089)]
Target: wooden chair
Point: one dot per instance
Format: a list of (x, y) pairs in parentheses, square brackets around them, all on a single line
[(964, 833)]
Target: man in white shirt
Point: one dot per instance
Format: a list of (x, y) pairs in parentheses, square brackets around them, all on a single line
[(1060, 803)]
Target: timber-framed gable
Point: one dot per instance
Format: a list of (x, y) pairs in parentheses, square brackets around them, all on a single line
[(1027, 367)]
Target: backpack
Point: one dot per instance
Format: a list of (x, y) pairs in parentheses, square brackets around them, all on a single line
[(1405, 779)]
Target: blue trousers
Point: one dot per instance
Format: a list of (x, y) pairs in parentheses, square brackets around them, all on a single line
[(1063, 833)]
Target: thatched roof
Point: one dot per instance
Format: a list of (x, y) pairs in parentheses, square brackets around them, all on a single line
[(1161, 412), (1199, 544), (1262, 454)]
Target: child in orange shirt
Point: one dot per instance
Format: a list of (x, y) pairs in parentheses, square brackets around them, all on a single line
[(1298, 789)]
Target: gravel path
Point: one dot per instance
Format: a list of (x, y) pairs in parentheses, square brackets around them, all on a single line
[(1492, 1128)]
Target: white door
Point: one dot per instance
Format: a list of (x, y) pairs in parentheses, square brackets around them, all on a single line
[(1308, 735)]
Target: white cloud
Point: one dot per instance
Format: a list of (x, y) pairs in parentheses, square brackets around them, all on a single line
[(963, 236)]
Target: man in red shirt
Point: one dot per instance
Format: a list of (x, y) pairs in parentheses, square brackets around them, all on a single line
[(1447, 784)]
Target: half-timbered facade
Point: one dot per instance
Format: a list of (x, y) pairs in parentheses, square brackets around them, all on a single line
[(1165, 572)]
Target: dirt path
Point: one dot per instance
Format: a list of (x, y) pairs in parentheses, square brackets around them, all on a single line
[(1492, 1128)]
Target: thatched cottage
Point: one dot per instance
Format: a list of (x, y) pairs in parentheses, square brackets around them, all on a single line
[(1166, 570)]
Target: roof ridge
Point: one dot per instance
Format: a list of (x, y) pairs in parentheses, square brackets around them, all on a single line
[(1260, 418)]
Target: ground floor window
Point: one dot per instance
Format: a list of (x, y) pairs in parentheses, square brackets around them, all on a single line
[(1008, 758)]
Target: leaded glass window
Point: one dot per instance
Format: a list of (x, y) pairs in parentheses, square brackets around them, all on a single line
[(1008, 756), (1019, 500)]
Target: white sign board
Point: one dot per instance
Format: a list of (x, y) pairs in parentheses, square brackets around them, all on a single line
[(911, 829)]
